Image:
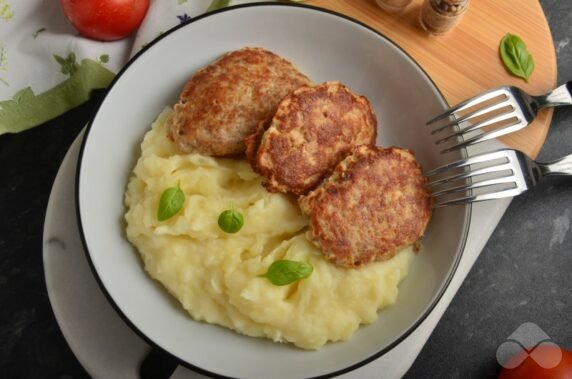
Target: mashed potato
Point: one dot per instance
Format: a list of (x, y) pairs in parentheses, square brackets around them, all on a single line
[(215, 275)]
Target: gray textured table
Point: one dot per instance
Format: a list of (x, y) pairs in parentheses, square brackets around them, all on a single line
[(523, 274)]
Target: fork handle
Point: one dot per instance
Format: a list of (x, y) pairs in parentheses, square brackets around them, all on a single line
[(562, 166), (560, 96)]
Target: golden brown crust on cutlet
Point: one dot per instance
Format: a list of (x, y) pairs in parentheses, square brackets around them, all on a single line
[(373, 205), (223, 102), (313, 129)]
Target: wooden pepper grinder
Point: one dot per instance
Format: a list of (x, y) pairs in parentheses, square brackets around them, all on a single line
[(440, 16)]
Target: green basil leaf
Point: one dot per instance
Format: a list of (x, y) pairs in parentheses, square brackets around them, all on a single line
[(172, 200), (283, 272), (515, 56), (230, 221)]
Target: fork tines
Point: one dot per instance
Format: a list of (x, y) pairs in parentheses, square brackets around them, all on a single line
[(492, 108), (481, 177)]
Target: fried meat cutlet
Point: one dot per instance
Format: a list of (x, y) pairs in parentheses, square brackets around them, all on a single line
[(374, 204), (223, 102), (312, 130), (252, 142)]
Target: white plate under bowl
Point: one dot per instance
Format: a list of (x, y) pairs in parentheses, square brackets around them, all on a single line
[(326, 46)]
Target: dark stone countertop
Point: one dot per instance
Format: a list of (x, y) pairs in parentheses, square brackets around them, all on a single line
[(523, 274)]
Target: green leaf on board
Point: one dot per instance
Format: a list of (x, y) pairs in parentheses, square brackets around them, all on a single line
[(515, 56)]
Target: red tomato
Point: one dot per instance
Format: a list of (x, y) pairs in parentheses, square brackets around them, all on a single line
[(561, 368), (105, 20)]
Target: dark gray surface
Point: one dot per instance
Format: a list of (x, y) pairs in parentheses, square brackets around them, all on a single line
[(523, 274), (31, 344)]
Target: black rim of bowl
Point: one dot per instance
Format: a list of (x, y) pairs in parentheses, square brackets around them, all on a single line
[(118, 310)]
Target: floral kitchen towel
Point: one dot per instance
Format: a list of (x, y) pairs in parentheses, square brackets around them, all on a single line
[(47, 67)]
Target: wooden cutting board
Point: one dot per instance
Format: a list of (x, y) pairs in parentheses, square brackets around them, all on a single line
[(465, 62)]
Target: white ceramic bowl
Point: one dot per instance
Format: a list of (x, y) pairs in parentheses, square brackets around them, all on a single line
[(325, 46)]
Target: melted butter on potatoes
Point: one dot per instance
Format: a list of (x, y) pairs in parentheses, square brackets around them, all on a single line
[(215, 275)]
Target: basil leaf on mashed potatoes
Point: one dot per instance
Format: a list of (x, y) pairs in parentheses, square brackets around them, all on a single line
[(230, 221), (171, 202), (284, 271)]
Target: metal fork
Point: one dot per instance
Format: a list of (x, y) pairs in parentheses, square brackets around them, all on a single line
[(508, 105), (502, 173)]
